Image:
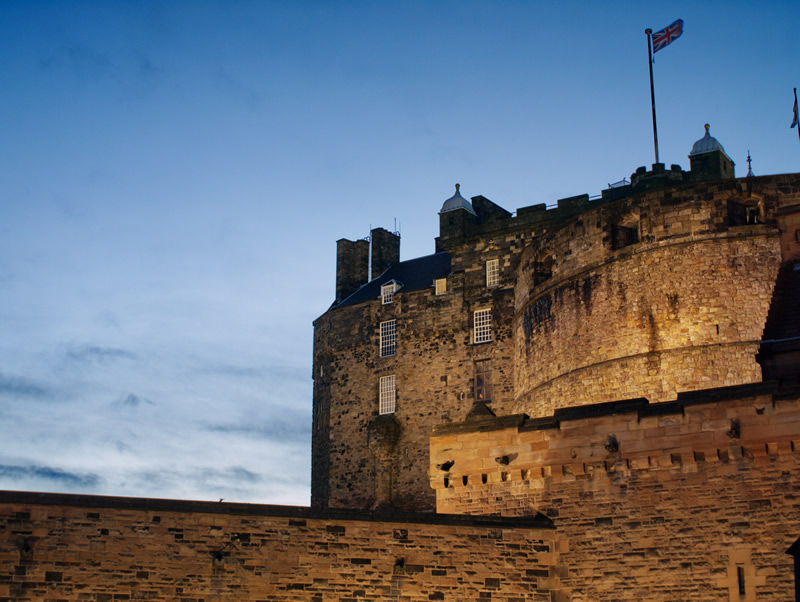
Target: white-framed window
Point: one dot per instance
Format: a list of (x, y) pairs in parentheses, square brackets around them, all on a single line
[(387, 293), (441, 285), (387, 395), (493, 272), (483, 326), (388, 336)]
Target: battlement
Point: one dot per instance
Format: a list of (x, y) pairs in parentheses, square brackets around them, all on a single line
[(701, 428)]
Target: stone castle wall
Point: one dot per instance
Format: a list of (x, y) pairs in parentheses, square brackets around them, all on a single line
[(434, 370), (63, 547), (643, 296), (687, 500)]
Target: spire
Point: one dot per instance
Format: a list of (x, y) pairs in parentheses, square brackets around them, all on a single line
[(750, 173)]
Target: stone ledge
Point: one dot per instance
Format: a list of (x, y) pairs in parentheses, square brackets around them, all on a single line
[(191, 506)]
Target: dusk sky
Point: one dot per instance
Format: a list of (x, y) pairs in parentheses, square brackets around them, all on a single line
[(174, 176)]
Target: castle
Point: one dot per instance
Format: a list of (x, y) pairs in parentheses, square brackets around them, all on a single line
[(595, 401)]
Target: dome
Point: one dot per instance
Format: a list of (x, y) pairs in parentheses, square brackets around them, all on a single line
[(706, 144), (457, 202)]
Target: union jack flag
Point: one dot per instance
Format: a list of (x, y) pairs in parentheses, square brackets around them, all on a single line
[(663, 38)]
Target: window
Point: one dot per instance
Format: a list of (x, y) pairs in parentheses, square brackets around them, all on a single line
[(441, 285), (493, 272), (387, 395), (388, 338), (483, 380), (483, 326), (387, 293)]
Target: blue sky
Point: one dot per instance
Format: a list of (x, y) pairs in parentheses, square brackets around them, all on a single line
[(174, 176)]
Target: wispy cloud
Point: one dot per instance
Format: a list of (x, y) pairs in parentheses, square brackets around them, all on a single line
[(132, 401), (57, 475), (15, 386), (274, 429), (103, 355)]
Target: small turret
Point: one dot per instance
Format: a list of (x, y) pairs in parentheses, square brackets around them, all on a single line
[(708, 160)]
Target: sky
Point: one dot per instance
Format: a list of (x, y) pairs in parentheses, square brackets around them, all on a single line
[(174, 177)]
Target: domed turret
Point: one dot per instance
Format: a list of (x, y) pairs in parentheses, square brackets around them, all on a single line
[(706, 144), (457, 202), (708, 159)]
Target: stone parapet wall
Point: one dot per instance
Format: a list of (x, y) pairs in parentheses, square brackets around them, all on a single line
[(686, 500), (62, 547)]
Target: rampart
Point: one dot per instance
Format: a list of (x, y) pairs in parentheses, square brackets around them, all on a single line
[(71, 547), (695, 499)]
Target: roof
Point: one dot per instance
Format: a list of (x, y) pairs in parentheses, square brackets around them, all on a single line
[(706, 144), (457, 202), (411, 275)]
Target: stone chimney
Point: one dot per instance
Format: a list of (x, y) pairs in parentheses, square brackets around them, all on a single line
[(385, 250), (352, 266)]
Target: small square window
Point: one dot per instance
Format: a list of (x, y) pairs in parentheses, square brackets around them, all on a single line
[(441, 286), (387, 395), (483, 326), (493, 272), (387, 293), (388, 338)]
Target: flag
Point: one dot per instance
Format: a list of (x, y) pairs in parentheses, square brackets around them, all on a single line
[(665, 37)]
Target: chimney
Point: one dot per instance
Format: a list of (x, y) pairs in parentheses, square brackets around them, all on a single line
[(385, 250), (352, 266)]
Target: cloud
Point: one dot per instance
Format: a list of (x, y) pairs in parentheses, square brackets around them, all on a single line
[(102, 355), (239, 91), (132, 401), (274, 429), (70, 479), (15, 386)]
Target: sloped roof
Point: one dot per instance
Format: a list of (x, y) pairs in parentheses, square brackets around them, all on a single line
[(411, 275)]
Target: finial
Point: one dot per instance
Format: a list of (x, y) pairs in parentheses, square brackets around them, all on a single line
[(708, 127), (457, 187), (750, 173)]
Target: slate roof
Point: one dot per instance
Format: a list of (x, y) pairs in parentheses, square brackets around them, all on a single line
[(411, 275)]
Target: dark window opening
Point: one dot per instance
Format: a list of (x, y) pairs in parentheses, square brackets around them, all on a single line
[(542, 269), (624, 236), (740, 578), (483, 380)]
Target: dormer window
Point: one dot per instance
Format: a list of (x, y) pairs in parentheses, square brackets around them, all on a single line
[(387, 292)]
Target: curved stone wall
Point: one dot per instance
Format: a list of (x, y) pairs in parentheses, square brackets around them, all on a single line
[(679, 305)]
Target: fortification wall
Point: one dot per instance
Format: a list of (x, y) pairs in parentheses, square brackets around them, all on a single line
[(688, 500), (645, 297), (61, 547)]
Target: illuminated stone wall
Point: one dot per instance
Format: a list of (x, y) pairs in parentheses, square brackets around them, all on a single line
[(685, 500), (643, 296), (59, 547), (434, 371)]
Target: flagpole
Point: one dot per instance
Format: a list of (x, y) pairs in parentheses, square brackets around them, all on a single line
[(648, 31)]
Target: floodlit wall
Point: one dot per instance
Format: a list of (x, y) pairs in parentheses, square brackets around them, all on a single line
[(697, 499), (61, 547)]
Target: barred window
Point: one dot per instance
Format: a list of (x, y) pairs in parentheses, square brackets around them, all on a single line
[(387, 293), (483, 326), (493, 272), (387, 395), (388, 335), (441, 286)]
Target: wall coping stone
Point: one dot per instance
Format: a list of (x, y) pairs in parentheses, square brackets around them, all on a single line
[(538, 521)]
